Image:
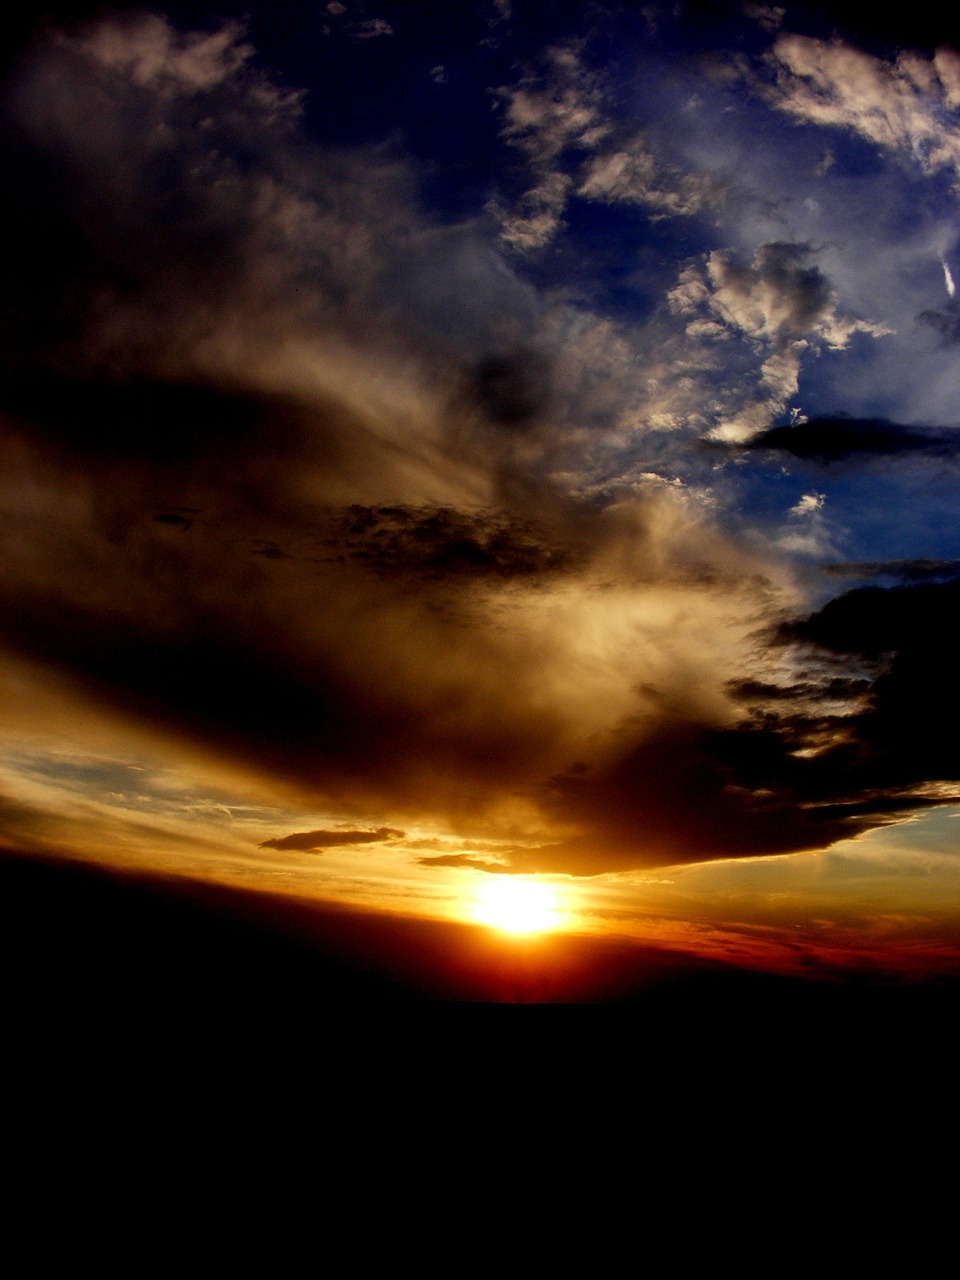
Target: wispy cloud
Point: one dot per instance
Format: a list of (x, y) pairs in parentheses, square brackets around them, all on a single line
[(909, 104), (317, 841)]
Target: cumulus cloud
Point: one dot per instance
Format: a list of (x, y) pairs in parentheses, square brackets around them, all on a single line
[(544, 115), (783, 302), (782, 296)]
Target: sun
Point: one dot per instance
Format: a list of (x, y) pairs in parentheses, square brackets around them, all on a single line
[(516, 905)]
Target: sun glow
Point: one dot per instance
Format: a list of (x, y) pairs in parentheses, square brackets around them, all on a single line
[(517, 905)]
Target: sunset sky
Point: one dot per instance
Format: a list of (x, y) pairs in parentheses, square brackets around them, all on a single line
[(449, 447)]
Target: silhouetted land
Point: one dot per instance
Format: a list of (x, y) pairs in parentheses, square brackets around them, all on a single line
[(187, 1016)]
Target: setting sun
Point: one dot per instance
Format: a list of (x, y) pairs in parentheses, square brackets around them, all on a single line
[(517, 905)]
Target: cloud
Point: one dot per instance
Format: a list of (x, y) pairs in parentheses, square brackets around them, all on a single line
[(945, 320), (154, 55), (836, 440), (370, 29), (904, 570), (544, 115), (799, 775), (110, 272), (909, 104), (300, 479), (631, 175), (899, 738), (783, 303), (563, 120), (446, 545), (769, 16), (465, 861), (381, 599), (808, 505), (782, 296), (317, 841), (836, 688)]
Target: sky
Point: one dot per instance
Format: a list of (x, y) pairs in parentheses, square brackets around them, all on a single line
[(450, 447)]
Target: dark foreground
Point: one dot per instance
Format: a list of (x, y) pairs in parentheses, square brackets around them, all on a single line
[(190, 1017)]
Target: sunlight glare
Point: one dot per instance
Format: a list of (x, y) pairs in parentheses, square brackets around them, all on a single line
[(516, 905)]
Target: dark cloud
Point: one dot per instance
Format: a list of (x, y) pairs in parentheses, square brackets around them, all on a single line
[(464, 860), (317, 671), (164, 202), (695, 793), (317, 841), (782, 780), (875, 620), (172, 518), (512, 391), (946, 322), (445, 544), (804, 293), (692, 793), (761, 691), (101, 419), (921, 570), (269, 551), (829, 440), (905, 733)]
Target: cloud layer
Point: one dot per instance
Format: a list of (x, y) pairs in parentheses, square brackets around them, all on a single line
[(332, 490)]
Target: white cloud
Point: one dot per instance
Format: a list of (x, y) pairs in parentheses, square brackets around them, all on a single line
[(538, 215), (908, 105), (782, 304), (808, 504), (632, 176), (781, 297), (544, 115), (562, 121)]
